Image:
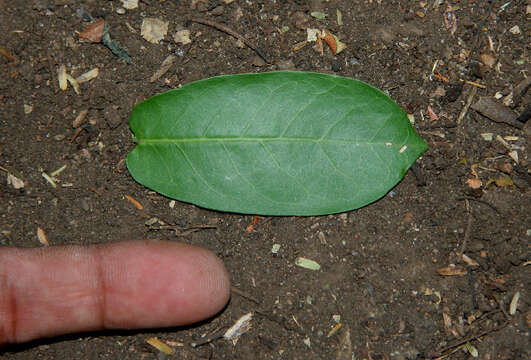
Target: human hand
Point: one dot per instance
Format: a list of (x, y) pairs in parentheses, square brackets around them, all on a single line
[(50, 291)]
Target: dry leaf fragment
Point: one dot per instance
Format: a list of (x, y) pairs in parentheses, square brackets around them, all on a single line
[(80, 118), (433, 116), (307, 263), (240, 327), (451, 270), (182, 37), (339, 17), (469, 261), (504, 181), (14, 181), (93, 32), (333, 42), (514, 303), (154, 30), (312, 34), (89, 75), (61, 76), (130, 4), (41, 235), (474, 183), (74, 83), (160, 346), (488, 60)]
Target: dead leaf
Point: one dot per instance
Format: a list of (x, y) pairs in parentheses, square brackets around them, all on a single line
[(433, 116), (41, 235), (182, 37), (160, 346), (474, 183), (504, 181), (488, 60), (154, 30), (14, 181), (130, 4), (89, 75), (333, 42), (94, 32), (61, 76)]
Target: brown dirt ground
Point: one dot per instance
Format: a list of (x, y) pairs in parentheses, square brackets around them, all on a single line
[(379, 263)]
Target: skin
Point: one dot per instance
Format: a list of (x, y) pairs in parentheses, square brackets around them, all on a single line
[(50, 291)]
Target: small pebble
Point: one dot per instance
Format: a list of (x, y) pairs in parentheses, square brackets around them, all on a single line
[(59, 137), (120, 11)]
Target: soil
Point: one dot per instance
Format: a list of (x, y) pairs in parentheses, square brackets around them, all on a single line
[(382, 266)]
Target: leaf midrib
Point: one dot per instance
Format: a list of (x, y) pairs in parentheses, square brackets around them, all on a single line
[(258, 140)]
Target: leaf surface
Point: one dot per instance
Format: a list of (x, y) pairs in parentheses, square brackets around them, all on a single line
[(277, 143)]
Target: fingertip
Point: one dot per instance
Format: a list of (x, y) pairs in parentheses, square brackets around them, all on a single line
[(165, 284)]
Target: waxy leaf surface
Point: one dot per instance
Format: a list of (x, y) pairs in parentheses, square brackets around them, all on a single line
[(277, 143)]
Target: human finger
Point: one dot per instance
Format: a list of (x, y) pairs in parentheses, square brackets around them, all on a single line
[(127, 285)]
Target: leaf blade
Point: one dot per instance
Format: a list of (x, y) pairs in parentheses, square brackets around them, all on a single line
[(280, 143)]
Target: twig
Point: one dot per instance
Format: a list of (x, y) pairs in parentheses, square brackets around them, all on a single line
[(208, 339), (440, 354), (467, 230), (481, 86), (245, 295), (233, 33), (479, 201), (471, 95), (179, 231)]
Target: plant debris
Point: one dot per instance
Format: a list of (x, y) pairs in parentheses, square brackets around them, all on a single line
[(154, 30), (14, 181), (135, 202), (160, 346), (307, 263), (496, 112), (233, 33), (93, 32), (240, 327), (41, 236), (163, 69)]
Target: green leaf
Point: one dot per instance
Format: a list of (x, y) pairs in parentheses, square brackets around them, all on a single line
[(277, 143)]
